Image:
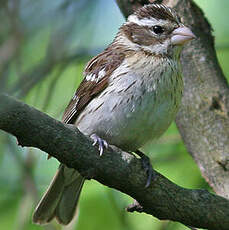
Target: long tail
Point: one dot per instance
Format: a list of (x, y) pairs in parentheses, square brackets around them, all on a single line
[(61, 197)]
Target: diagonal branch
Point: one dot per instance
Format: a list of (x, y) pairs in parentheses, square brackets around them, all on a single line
[(116, 169)]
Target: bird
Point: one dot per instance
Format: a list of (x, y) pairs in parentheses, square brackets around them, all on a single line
[(129, 95)]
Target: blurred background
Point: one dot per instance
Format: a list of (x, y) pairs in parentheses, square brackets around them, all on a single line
[(44, 46)]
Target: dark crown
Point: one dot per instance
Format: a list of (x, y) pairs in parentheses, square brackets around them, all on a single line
[(157, 11)]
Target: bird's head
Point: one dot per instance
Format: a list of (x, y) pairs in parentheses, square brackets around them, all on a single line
[(154, 28)]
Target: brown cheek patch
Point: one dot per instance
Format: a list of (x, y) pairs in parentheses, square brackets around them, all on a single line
[(139, 34)]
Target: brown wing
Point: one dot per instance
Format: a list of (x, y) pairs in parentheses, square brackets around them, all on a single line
[(96, 78)]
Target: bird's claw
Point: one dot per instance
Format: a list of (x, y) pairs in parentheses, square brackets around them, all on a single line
[(102, 143), (146, 164), (148, 168)]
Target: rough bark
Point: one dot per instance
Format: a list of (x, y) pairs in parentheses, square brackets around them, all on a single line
[(116, 169), (203, 120)]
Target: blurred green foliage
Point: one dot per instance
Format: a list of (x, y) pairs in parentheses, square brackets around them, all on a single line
[(44, 46)]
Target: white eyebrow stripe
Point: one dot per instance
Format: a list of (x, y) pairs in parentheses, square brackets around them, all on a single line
[(145, 21)]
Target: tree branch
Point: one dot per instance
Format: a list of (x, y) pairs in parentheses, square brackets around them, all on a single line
[(116, 169), (203, 120)]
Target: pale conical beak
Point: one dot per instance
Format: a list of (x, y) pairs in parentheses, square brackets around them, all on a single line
[(181, 35)]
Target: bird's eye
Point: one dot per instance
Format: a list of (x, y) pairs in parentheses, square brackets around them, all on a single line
[(158, 29)]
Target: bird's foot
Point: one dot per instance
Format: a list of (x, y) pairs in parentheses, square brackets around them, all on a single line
[(102, 143), (146, 164)]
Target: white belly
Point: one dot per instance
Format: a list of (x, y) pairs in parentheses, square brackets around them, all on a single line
[(133, 109)]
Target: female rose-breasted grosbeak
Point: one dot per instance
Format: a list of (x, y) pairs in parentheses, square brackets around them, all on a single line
[(130, 95)]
